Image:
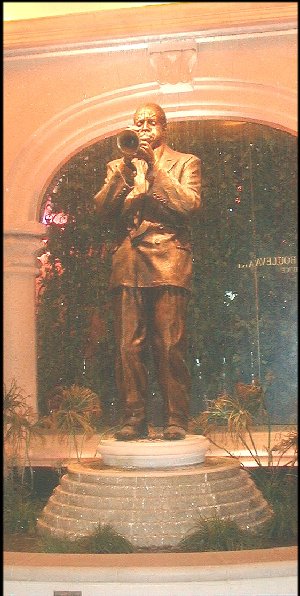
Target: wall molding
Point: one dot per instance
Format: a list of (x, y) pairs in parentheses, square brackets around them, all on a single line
[(112, 27)]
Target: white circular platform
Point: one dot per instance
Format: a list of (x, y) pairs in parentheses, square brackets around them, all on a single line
[(146, 453)]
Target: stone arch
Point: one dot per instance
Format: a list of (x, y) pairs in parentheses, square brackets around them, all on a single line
[(90, 120)]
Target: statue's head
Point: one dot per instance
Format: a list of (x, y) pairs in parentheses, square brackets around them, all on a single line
[(151, 123)]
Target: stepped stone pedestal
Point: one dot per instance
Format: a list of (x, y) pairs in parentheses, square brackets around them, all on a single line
[(150, 495)]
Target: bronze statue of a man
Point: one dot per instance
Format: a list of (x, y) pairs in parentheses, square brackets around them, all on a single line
[(151, 196)]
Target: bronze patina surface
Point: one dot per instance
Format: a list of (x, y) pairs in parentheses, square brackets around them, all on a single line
[(150, 194)]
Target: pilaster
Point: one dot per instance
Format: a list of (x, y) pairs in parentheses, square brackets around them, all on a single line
[(20, 270)]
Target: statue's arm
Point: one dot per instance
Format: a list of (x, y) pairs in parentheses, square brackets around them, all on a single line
[(181, 194), (110, 198)]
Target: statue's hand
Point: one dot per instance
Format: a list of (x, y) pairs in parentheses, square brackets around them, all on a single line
[(146, 152), (128, 170)]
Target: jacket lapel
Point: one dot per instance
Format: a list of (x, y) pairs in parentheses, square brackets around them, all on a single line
[(168, 159)]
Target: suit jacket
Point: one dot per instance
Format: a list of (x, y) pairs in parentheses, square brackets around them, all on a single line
[(153, 246)]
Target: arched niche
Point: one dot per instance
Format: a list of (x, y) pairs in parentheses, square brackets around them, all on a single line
[(228, 279)]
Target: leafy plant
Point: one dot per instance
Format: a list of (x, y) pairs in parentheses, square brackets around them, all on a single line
[(20, 424), (217, 534), (237, 415), (103, 540), (106, 540), (279, 486), (289, 442), (282, 528), (20, 509), (75, 410), (48, 543)]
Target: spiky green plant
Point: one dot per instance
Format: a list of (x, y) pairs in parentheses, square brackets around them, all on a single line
[(49, 543), (76, 412), (279, 486), (237, 415), (106, 539), (103, 540), (289, 442), (281, 529), (20, 425), (20, 508), (217, 534)]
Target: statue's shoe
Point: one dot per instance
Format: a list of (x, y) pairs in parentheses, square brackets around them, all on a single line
[(174, 433), (129, 432)]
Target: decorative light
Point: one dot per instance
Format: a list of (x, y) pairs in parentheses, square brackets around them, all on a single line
[(60, 219), (230, 294), (233, 123)]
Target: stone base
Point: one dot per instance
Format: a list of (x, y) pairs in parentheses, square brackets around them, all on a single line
[(145, 453), (152, 508)]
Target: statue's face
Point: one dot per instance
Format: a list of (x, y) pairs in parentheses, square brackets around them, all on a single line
[(149, 125)]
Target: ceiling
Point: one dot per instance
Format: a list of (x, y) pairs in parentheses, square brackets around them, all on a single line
[(15, 11)]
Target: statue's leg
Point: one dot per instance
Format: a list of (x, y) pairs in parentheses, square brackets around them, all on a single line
[(169, 351), (131, 372)]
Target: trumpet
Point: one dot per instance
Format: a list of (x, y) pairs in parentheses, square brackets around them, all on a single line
[(128, 142)]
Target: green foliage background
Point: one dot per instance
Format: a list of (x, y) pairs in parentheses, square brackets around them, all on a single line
[(242, 320)]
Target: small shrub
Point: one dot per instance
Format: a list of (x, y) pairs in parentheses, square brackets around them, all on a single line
[(279, 486), (105, 540), (282, 528), (20, 510), (19, 427), (217, 534), (48, 543), (236, 416), (75, 410), (290, 442)]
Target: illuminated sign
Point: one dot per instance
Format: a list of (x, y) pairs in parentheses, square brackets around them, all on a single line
[(288, 264)]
